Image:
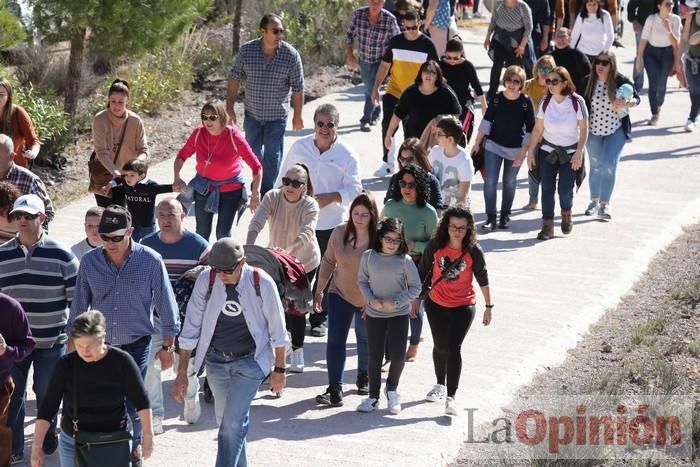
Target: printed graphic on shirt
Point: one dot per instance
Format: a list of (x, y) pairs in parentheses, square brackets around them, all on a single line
[(455, 272), (232, 308)]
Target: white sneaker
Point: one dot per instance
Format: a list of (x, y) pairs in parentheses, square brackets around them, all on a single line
[(193, 410), (438, 393), (394, 401), (296, 361), (386, 170), (690, 126), (368, 405), (157, 425), (450, 406)]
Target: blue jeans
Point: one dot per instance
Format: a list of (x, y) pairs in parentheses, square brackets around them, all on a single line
[(234, 383), (340, 316), (492, 167), (548, 174), (266, 139), (66, 450), (368, 71), (533, 189), (44, 361), (693, 89), (638, 76), (416, 325), (142, 232), (152, 381), (604, 153), (658, 61), (228, 205), (140, 351)]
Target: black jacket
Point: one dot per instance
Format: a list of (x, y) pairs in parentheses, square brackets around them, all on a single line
[(619, 81)]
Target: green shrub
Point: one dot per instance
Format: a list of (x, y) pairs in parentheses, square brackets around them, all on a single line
[(51, 123), (11, 30)]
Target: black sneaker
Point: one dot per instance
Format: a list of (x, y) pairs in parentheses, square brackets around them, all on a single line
[(490, 224), (332, 397), (17, 459), (362, 383), (319, 331), (136, 458), (50, 443), (503, 223)]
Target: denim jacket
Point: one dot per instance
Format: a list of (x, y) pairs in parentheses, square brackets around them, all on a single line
[(263, 315), (201, 185)]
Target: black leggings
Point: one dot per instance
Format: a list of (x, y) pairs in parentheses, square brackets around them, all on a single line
[(393, 332), (296, 325), (449, 327)]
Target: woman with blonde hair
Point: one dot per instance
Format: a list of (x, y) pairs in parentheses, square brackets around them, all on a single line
[(16, 123)]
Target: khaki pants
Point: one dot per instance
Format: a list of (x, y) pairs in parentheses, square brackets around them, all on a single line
[(5, 432)]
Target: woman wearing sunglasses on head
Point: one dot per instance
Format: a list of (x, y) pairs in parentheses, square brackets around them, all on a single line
[(556, 148), (410, 205), (508, 123), (292, 213), (412, 151), (218, 187), (608, 95), (658, 48)]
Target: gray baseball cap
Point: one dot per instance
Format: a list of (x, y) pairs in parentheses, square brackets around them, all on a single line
[(225, 254)]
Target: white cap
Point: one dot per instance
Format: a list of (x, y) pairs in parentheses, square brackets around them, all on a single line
[(30, 204)]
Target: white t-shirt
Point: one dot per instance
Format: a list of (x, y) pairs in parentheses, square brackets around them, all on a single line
[(451, 171), (655, 33), (561, 120)]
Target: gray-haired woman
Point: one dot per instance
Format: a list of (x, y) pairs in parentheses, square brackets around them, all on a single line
[(100, 378)]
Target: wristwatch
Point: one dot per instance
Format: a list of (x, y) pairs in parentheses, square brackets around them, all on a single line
[(169, 348), (280, 369)]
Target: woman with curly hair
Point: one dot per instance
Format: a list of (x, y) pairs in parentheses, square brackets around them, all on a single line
[(410, 206), (8, 195), (16, 123), (412, 151), (451, 260)]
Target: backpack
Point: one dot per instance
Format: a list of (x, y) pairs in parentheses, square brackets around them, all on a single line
[(548, 97)]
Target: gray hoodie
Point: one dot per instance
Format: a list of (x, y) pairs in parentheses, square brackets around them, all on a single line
[(388, 277)]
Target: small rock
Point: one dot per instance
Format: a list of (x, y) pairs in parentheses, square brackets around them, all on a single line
[(188, 123), (606, 348)]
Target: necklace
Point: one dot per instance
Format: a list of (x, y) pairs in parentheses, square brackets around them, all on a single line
[(210, 150)]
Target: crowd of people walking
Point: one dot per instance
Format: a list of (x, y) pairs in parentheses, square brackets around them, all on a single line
[(98, 323)]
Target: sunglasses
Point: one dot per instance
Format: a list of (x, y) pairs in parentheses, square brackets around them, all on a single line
[(211, 118), (286, 181), (450, 58), (545, 69), (517, 82), (25, 216), (552, 82), (228, 272), (598, 61), (408, 185), (276, 31), (329, 125), (407, 160), (391, 241), (411, 28), (112, 238)]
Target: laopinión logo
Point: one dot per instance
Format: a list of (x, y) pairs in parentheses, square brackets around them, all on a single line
[(586, 427)]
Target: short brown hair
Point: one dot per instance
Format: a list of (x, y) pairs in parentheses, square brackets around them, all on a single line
[(563, 73), (136, 165), (95, 211), (514, 70), (219, 108), (8, 195)]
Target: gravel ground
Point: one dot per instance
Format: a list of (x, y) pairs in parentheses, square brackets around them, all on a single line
[(648, 344)]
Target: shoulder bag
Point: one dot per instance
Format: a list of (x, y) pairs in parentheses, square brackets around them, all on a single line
[(427, 288), (99, 175), (107, 449)]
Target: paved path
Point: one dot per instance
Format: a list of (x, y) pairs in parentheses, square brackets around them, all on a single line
[(546, 295)]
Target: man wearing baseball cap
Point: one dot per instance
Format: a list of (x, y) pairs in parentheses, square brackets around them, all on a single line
[(137, 286), (235, 319), (39, 273)]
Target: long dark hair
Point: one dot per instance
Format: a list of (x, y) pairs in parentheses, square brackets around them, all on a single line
[(6, 115), (414, 145), (385, 226), (431, 65), (422, 184), (367, 200), (610, 83), (583, 11), (442, 235)]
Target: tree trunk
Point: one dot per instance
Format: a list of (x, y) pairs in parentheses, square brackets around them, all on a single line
[(236, 40), (77, 48)]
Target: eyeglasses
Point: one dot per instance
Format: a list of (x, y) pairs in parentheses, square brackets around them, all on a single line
[(112, 238), (391, 241), (286, 181), (517, 82), (553, 82), (544, 69), (411, 28), (454, 228), (276, 31), (451, 58), (598, 61), (440, 134), (430, 72), (407, 185), (211, 118), (668, 4), (329, 125), (228, 272), (24, 215), (407, 160)]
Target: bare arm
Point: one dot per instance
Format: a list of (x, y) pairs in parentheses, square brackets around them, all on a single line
[(231, 95), (146, 417), (393, 126), (381, 75), (297, 105), (486, 292), (430, 13), (41, 427), (180, 386)]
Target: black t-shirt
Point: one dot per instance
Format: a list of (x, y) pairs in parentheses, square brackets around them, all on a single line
[(575, 62), (102, 388), (510, 120), (141, 201), (231, 333), (419, 109), (460, 77)]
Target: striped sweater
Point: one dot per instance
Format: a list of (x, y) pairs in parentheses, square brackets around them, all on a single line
[(42, 278)]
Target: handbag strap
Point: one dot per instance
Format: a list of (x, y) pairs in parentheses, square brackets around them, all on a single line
[(121, 140), (74, 415), (448, 269)]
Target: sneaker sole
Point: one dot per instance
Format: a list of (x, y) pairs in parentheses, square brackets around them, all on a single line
[(434, 399)]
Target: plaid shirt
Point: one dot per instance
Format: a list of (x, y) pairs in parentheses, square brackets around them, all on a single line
[(268, 80), (372, 40), (28, 183)]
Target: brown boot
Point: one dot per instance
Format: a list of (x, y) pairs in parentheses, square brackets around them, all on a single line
[(411, 353), (547, 231), (567, 224)]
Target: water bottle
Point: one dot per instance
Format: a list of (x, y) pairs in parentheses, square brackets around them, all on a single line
[(624, 92)]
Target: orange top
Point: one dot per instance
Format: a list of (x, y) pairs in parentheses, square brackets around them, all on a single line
[(23, 134)]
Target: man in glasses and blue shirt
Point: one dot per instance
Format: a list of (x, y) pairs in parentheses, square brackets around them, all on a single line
[(335, 175), (40, 274), (129, 284)]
